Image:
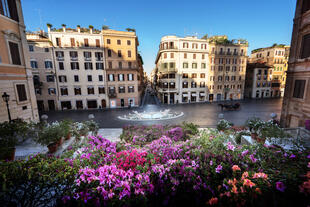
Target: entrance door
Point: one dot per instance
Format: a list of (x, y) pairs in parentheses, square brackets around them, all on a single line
[(92, 104), (122, 103), (210, 97), (225, 96), (219, 97), (65, 105), (262, 96), (40, 105), (51, 105), (79, 104), (165, 98), (171, 98), (103, 103), (231, 96)]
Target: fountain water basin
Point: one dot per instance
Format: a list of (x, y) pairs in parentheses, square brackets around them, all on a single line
[(151, 115)]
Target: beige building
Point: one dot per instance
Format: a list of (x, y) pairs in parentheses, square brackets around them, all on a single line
[(15, 72), (258, 81), (277, 57), (296, 103), (199, 70), (124, 71)]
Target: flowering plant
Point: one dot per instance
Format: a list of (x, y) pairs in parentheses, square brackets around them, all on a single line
[(223, 125)]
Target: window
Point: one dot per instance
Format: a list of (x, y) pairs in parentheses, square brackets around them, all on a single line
[(227, 68), (185, 84), (194, 56), (129, 53), (110, 64), (31, 49), (305, 46), (121, 89), (305, 6), (77, 90), (58, 42), (119, 53), (88, 65), (185, 65), (75, 66), (8, 8), (72, 40), (120, 65), (193, 84), (171, 75), (220, 68), (99, 56), (14, 50), (165, 65), (86, 42), (118, 42), (111, 90), (129, 64), (64, 91), (50, 78), (61, 65), (299, 89), (194, 75), (62, 78), (21, 91), (226, 78), (202, 84), (76, 78), (120, 77), (131, 89), (89, 78), (108, 41), (34, 64), (99, 66), (128, 42), (109, 53), (202, 56), (51, 91), (202, 75), (90, 90), (59, 55), (46, 49), (171, 85), (194, 65), (171, 55), (185, 55), (203, 65), (220, 78), (97, 43), (87, 55), (73, 54), (100, 77), (101, 89), (48, 64), (171, 65), (111, 77), (130, 77), (185, 75)]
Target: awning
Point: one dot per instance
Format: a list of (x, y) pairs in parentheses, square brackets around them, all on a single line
[(194, 94), (202, 94), (185, 95)]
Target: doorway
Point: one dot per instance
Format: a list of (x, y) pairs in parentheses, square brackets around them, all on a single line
[(103, 103), (219, 97), (40, 105), (210, 97), (92, 104), (66, 105), (165, 98), (122, 102), (51, 105), (79, 104), (171, 98)]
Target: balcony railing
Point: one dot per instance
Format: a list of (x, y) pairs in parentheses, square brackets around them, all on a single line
[(74, 58), (99, 59), (60, 58), (112, 95)]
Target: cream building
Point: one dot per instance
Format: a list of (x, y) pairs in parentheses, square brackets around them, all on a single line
[(296, 102), (79, 68), (277, 57), (15, 73), (199, 70), (258, 81)]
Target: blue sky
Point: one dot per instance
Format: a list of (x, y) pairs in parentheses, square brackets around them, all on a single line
[(261, 22)]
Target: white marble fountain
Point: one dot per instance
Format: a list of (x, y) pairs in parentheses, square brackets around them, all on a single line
[(151, 115)]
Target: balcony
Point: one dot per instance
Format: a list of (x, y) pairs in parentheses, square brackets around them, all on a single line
[(74, 58), (112, 95), (37, 84), (169, 48), (99, 59), (60, 58), (235, 53)]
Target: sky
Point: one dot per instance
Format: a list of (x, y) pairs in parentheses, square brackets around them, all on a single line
[(261, 22)]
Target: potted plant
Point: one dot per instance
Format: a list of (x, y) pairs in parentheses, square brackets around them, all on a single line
[(66, 127), (50, 136), (105, 27), (271, 130), (92, 126), (254, 124), (223, 125)]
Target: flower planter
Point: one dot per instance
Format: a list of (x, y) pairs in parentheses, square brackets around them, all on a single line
[(307, 124), (8, 154), (52, 148), (59, 142), (254, 136)]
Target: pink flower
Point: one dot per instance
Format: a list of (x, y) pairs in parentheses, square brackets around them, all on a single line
[(245, 152), (293, 156), (230, 146), (218, 168), (213, 201), (235, 168)]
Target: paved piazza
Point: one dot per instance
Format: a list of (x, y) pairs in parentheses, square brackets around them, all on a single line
[(203, 114)]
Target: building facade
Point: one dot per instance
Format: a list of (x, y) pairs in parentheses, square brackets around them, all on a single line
[(277, 57), (200, 70), (124, 71), (258, 81), (15, 72), (296, 102)]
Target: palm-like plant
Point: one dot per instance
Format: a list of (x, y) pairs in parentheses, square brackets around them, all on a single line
[(105, 27)]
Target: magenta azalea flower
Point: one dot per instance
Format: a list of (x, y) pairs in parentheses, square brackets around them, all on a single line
[(218, 168), (293, 156), (280, 186)]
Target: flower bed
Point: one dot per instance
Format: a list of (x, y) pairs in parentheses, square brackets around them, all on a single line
[(169, 169)]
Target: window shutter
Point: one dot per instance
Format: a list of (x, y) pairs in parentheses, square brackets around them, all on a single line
[(72, 42), (14, 53), (97, 43), (22, 96), (13, 10)]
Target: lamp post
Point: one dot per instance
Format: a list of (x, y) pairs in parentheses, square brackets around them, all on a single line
[(6, 99)]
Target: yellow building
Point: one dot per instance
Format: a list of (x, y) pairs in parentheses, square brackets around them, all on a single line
[(277, 57), (15, 74), (123, 68)]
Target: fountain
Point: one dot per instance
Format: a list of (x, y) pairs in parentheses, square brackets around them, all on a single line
[(151, 115)]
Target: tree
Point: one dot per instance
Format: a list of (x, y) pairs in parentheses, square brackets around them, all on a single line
[(49, 25), (105, 27), (63, 25)]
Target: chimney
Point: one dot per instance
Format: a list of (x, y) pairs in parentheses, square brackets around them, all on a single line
[(78, 28), (91, 27), (49, 26)]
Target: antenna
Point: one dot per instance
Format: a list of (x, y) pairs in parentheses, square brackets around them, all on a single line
[(40, 17)]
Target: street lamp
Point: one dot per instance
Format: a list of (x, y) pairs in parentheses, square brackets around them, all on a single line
[(6, 99)]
